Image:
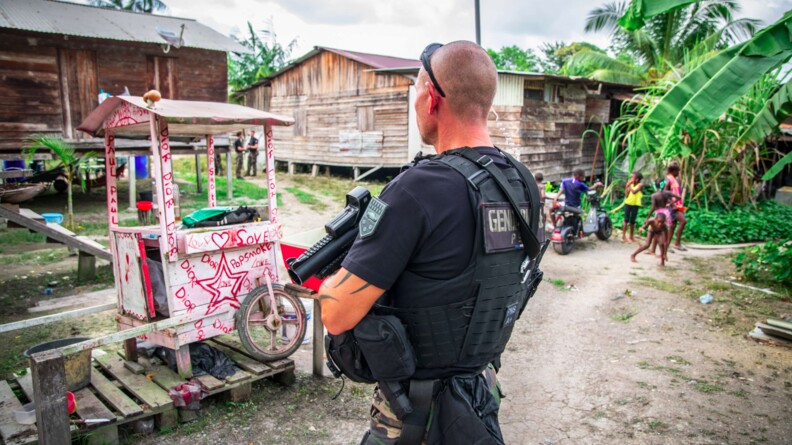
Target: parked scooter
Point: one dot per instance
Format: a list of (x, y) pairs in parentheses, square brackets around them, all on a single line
[(569, 225)]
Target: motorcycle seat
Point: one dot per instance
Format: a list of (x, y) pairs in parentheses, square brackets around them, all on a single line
[(575, 210)]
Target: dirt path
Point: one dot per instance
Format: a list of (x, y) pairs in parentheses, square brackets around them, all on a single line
[(575, 374)]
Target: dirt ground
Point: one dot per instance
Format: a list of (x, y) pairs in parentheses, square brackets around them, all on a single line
[(608, 352)]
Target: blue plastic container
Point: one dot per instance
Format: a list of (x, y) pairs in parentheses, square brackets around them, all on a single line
[(56, 218), (141, 167), (14, 165)]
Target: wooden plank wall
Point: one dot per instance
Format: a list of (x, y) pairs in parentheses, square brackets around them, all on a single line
[(328, 91), (548, 136), (30, 100), (38, 72)]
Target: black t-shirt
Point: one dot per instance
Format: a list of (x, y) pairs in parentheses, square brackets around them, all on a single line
[(427, 228), (238, 145), (253, 142)]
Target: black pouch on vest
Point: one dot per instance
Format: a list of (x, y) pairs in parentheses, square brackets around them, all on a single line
[(386, 346), (344, 357)]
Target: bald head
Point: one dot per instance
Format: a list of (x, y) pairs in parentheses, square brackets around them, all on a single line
[(468, 77)]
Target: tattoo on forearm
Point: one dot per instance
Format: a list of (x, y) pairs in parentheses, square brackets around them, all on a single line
[(363, 287), (346, 277), (326, 297)]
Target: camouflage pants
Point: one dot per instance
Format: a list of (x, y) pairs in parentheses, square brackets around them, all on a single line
[(385, 428)]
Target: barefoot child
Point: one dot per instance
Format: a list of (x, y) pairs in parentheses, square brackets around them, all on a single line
[(658, 231), (633, 193), (660, 204)]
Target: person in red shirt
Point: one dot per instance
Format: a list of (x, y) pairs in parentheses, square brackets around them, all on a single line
[(677, 208)]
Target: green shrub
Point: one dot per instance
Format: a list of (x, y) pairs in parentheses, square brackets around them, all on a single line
[(771, 262), (764, 222)]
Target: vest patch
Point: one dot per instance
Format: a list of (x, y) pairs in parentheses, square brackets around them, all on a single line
[(371, 219), (501, 227), (511, 315)]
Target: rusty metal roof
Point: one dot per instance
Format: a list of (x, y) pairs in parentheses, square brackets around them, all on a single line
[(377, 62), (73, 19), (185, 117)]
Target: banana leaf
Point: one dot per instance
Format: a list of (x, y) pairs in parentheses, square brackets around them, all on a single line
[(777, 167), (707, 91), (639, 10), (777, 108)]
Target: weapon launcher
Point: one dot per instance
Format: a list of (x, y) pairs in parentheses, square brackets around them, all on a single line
[(325, 257)]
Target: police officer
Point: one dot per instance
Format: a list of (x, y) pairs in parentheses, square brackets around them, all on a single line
[(431, 240)]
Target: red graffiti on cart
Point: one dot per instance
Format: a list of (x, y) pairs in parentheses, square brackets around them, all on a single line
[(223, 286)]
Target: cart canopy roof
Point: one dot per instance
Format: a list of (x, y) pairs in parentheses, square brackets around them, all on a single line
[(129, 115)]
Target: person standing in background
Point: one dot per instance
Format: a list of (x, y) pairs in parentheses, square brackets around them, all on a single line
[(239, 148), (252, 149)]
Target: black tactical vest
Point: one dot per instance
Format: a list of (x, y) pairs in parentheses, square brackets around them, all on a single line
[(490, 293)]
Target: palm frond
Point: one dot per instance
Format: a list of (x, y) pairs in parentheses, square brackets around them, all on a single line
[(605, 17), (62, 150), (616, 77)]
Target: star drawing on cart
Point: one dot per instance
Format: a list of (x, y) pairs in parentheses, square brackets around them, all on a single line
[(224, 286)]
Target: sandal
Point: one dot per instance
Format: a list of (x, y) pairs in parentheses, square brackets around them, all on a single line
[(681, 249)]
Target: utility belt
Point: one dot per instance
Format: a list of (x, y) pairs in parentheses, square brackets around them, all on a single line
[(378, 350)]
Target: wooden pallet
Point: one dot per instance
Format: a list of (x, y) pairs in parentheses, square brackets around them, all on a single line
[(126, 392)]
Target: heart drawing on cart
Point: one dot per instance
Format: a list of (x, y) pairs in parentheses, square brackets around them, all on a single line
[(221, 239)]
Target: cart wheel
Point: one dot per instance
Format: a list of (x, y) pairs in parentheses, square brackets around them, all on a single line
[(262, 327)]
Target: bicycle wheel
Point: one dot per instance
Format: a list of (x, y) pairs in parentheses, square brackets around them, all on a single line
[(270, 331)]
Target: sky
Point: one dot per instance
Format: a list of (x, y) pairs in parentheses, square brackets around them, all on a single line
[(403, 28)]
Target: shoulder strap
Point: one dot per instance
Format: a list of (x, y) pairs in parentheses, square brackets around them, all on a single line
[(531, 244)]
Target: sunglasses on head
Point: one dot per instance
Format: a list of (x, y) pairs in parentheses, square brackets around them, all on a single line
[(425, 56)]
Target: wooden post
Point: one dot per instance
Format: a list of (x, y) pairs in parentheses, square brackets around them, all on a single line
[(229, 175), (269, 154), (130, 349), (210, 168), (132, 183), (356, 173), (198, 183), (291, 167), (86, 266), (314, 170), (183, 364), (49, 385), (164, 180), (318, 340)]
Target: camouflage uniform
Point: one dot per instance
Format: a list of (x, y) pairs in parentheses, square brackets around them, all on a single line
[(386, 428)]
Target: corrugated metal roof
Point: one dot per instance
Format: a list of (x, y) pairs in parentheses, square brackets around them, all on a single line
[(539, 76), (376, 61), (103, 23)]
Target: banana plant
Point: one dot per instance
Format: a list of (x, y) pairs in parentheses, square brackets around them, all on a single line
[(67, 155)]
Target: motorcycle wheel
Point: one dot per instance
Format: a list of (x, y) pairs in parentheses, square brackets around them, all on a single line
[(564, 247), (605, 230)]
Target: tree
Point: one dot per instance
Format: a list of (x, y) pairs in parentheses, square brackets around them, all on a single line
[(67, 155), (264, 59), (557, 54), (512, 58), (667, 40), (146, 6)]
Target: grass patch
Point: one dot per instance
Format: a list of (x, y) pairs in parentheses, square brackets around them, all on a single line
[(557, 282), (677, 360), (307, 198), (19, 236), (707, 388), (656, 425), (623, 317), (38, 258)]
